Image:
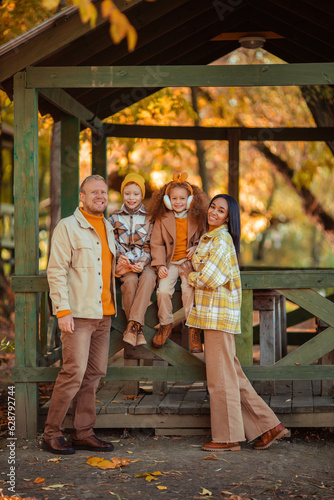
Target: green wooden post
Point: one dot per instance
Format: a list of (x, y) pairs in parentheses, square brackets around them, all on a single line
[(244, 342), (26, 204), (70, 129), (233, 163)]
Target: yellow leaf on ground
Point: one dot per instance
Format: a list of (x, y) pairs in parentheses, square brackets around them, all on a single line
[(150, 478), (54, 460), (94, 461), (205, 492), (39, 480), (162, 487)]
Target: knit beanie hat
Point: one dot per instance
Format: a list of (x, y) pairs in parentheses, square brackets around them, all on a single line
[(137, 179)]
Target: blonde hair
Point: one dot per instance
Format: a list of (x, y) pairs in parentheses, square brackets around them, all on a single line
[(94, 177)]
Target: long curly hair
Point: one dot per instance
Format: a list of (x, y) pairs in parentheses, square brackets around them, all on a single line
[(198, 209)]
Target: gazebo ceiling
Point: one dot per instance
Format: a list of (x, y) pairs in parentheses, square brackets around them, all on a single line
[(170, 32)]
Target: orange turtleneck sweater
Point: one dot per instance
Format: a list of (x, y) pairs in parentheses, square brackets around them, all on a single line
[(107, 300)]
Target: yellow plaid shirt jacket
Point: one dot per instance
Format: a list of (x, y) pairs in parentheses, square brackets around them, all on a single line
[(217, 283)]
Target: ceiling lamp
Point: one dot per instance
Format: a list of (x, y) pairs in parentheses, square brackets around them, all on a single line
[(252, 42)]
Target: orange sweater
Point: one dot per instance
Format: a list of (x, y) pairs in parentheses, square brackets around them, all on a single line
[(106, 297), (181, 238)]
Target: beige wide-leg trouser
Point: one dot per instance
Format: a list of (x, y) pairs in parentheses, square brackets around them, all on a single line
[(237, 411)]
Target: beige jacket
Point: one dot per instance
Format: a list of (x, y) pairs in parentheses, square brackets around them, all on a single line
[(163, 239), (75, 267)]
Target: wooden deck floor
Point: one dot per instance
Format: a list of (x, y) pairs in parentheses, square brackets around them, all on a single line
[(184, 409)]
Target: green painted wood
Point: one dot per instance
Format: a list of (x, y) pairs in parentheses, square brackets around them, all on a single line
[(70, 106), (180, 76), (313, 302), (22, 284), (311, 351), (251, 280), (244, 342), (277, 279), (219, 133), (233, 163), (311, 372), (69, 165), (43, 323), (99, 156), (26, 248)]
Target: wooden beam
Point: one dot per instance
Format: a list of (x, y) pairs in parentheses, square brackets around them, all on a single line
[(251, 280), (244, 342), (69, 165), (219, 133), (68, 105), (313, 302), (181, 76), (312, 372), (26, 248)]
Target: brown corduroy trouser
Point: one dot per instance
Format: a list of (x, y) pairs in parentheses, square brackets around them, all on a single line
[(85, 360)]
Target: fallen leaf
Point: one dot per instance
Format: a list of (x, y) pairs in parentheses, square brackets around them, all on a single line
[(114, 463), (150, 478), (111, 493), (226, 493), (212, 456), (162, 487), (26, 479), (205, 492), (39, 480), (298, 364), (129, 451)]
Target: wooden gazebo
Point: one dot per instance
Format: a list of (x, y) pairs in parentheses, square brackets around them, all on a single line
[(75, 73)]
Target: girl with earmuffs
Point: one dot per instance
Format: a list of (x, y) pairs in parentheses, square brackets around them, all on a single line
[(178, 210)]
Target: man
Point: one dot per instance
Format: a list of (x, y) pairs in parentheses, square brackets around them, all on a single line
[(82, 289)]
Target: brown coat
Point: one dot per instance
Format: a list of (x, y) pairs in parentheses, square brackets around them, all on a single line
[(163, 239)]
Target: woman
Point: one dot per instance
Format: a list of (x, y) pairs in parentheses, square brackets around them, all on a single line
[(237, 412)]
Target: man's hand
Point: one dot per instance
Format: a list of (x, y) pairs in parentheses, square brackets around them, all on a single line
[(123, 266), (137, 267), (162, 272), (66, 323)]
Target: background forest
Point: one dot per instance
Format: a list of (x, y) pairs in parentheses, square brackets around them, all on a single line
[(278, 224)]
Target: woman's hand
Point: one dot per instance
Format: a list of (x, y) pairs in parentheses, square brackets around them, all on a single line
[(185, 269), (190, 252), (162, 272)]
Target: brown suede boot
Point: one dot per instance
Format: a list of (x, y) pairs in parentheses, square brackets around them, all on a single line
[(131, 332), (162, 335), (140, 337), (195, 342)]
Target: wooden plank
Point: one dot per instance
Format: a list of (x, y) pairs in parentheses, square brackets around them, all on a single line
[(149, 404), (26, 201), (311, 351), (218, 133), (119, 404), (277, 279), (244, 342), (312, 372), (183, 432), (105, 394), (171, 402), (267, 337), (251, 280), (281, 400), (313, 302), (323, 404), (99, 156), (180, 76), (302, 396), (70, 147), (233, 163), (193, 400), (308, 419), (72, 107)]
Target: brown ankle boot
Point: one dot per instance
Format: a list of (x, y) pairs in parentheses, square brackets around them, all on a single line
[(162, 335), (131, 332), (195, 342), (140, 337)]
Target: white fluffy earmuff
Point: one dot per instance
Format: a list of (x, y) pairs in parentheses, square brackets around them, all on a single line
[(167, 202), (189, 201)]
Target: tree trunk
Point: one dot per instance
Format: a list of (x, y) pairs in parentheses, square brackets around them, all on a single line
[(320, 100), (311, 205), (200, 152)]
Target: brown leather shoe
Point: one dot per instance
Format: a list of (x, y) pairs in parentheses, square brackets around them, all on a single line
[(195, 342), (130, 334), (269, 437), (221, 446), (58, 446), (92, 443), (140, 336), (162, 335)]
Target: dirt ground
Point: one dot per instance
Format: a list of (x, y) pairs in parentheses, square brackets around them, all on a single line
[(300, 466)]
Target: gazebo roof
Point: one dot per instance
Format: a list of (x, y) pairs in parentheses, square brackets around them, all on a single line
[(170, 32)]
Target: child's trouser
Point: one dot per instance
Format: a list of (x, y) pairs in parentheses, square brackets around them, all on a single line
[(165, 292), (136, 293)]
